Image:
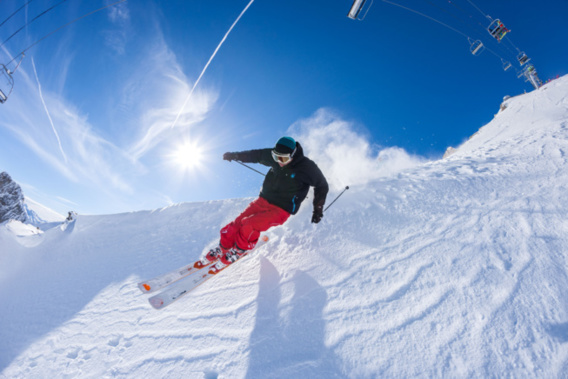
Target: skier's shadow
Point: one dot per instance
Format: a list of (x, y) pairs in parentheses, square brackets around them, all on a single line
[(289, 342)]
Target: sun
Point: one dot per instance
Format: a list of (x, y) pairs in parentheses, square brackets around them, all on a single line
[(187, 156)]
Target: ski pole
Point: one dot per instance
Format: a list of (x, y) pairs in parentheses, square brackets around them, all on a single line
[(346, 188), (250, 168)]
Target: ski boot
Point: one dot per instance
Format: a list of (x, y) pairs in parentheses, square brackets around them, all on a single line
[(228, 257), (211, 256)]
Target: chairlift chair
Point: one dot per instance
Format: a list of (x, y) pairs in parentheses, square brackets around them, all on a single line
[(6, 83), (530, 71), (497, 30), (506, 64), (356, 9), (523, 58), (476, 47)]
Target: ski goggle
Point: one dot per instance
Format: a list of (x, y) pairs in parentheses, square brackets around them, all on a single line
[(281, 158)]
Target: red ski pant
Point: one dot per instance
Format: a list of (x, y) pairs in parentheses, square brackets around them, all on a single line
[(259, 216)]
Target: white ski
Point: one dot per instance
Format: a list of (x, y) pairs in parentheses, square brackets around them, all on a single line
[(177, 290), (164, 280)]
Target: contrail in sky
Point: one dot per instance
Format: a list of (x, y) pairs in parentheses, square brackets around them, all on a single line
[(47, 112), (210, 59)]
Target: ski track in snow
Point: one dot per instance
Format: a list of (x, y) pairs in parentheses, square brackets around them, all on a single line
[(455, 268)]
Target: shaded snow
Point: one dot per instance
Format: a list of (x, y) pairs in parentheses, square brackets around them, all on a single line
[(19, 229), (451, 268), (38, 214)]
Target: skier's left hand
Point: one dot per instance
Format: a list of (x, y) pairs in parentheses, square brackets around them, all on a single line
[(230, 156), (318, 214)]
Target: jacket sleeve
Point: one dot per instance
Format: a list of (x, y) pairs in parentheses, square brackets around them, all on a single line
[(262, 156), (321, 188)]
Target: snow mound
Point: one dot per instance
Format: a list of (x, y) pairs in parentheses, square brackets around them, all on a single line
[(19, 229)]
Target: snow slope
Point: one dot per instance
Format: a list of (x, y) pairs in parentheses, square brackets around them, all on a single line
[(38, 214), (453, 268)]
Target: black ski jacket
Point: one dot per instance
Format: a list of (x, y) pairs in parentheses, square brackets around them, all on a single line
[(286, 187)]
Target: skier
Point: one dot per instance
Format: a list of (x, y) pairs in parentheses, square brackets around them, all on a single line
[(286, 185)]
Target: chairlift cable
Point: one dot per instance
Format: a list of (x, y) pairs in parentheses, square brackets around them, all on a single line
[(487, 16), (494, 53), (444, 10), (466, 23), (476, 7), (19, 9), (483, 27), (425, 15), (512, 44), (32, 20), (441, 23), (507, 47), (469, 15), (66, 25)]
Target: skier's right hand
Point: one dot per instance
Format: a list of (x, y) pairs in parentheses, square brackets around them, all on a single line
[(230, 156), (318, 214)]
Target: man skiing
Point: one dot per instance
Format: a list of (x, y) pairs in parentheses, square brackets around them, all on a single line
[(286, 185)]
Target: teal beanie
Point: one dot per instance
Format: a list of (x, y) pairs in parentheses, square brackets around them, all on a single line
[(285, 145)]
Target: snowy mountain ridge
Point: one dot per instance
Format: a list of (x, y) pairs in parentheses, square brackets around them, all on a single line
[(14, 206), (11, 200), (452, 268)]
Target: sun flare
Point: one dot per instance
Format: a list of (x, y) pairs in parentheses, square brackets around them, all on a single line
[(188, 156)]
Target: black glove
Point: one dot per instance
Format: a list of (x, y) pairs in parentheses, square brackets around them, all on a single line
[(230, 156), (318, 214)]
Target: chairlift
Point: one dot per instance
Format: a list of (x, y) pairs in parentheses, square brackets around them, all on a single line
[(476, 47), (357, 8), (523, 58), (6, 83), (506, 64), (497, 30)]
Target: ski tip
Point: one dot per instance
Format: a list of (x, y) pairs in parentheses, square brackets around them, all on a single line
[(156, 302), (144, 287)]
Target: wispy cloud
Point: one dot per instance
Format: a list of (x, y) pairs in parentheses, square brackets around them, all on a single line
[(65, 138), (163, 88), (143, 97), (47, 112), (116, 37), (158, 121), (74, 149), (118, 13)]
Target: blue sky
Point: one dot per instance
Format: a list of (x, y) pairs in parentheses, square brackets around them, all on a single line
[(100, 112)]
